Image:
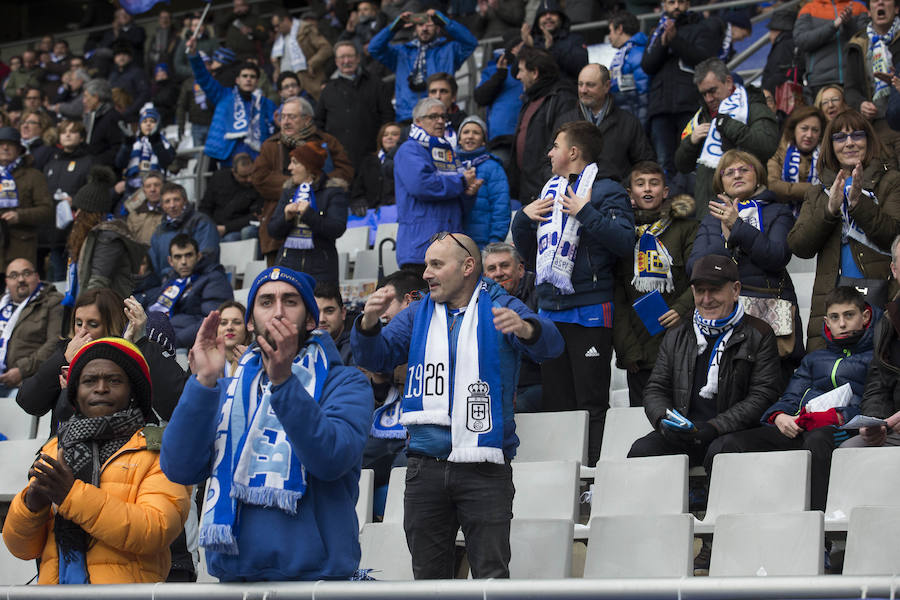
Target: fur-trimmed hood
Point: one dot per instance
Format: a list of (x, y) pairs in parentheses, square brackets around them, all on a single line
[(681, 206)]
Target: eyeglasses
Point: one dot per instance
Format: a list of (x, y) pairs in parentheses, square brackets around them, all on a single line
[(443, 234), (736, 171), (34, 123), (17, 274), (436, 117), (841, 136)]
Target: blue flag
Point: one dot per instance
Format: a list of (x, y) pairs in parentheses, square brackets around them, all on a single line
[(136, 7)]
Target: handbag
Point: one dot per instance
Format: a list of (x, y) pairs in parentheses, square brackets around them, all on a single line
[(789, 94), (776, 312), (875, 291)]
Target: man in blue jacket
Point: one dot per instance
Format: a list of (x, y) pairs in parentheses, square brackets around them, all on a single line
[(461, 344), (429, 52), (243, 117), (281, 442), (579, 227), (196, 286), (629, 82), (428, 185)]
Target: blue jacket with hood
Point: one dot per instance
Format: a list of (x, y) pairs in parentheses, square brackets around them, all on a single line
[(488, 220), (386, 347), (322, 540), (823, 370)]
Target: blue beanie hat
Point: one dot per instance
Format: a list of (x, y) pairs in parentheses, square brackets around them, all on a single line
[(148, 111), (304, 283), (224, 55)]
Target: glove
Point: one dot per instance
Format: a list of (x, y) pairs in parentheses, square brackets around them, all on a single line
[(702, 435), (678, 437), (814, 420), (705, 434), (359, 209)]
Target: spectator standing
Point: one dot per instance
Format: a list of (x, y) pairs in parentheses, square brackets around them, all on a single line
[(180, 217), (374, 182), (731, 116), (164, 91), (500, 91), (575, 288), (25, 203), (665, 235), (550, 32), (57, 63), (232, 202), (629, 84), (125, 31), (363, 22), (353, 104), (206, 45), (28, 74), (301, 49), (163, 41), (497, 16), (35, 128), (101, 122), (783, 55), (443, 87), (487, 220), (317, 406), (430, 51), (194, 108), (243, 30), (822, 33)]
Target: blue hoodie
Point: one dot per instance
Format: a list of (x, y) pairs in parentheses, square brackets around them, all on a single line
[(322, 540), (488, 220), (634, 99)]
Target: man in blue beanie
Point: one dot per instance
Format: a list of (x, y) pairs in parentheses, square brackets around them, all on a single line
[(281, 442)]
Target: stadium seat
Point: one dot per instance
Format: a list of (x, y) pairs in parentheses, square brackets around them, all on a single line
[(757, 482), (242, 295), (384, 231), (384, 550), (872, 547), (773, 544), (15, 423), (237, 254), (366, 266), (640, 545), (619, 398), (343, 266), (540, 548), (353, 240), (861, 477), (16, 457), (14, 571), (393, 505), (60, 286), (801, 265), (251, 270), (366, 497), (641, 486), (545, 490), (203, 575), (623, 426), (552, 436)]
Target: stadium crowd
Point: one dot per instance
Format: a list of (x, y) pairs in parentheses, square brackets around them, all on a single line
[(656, 202)]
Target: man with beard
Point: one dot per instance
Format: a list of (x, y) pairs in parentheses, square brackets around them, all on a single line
[(282, 507), (270, 167)]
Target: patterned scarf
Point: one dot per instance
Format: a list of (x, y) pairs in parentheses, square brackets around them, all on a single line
[(442, 153), (420, 70), (142, 160), (720, 329), (879, 56), (849, 227), (750, 212), (9, 195), (301, 236), (735, 106), (652, 261), (620, 82), (87, 443), (242, 126), (660, 27), (171, 294), (725, 50)]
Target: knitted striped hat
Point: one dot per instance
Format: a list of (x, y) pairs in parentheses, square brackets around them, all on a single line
[(128, 357)]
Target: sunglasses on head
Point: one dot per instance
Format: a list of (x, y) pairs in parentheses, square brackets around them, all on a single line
[(443, 234)]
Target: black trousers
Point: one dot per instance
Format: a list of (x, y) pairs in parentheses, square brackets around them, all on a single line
[(579, 378), (654, 444), (636, 384)]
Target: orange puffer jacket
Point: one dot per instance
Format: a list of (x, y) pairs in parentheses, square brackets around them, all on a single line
[(131, 518)]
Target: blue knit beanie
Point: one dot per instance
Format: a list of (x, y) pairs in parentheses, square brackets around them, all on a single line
[(304, 284)]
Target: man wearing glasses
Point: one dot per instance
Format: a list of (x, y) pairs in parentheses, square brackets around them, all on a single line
[(462, 343), (430, 189), (30, 321)]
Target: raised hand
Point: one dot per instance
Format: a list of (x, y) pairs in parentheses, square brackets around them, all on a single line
[(376, 305), (137, 320), (80, 339), (278, 355), (539, 210), (836, 194), (207, 356), (506, 320), (51, 478)]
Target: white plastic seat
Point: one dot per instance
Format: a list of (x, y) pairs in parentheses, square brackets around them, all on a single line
[(773, 544), (757, 482), (619, 398), (552, 436), (14, 571), (243, 295), (60, 286), (641, 486), (872, 547), (393, 504), (623, 426), (366, 266), (353, 240), (384, 231), (797, 266), (384, 550), (15, 423), (343, 266), (540, 548), (203, 575), (365, 501), (251, 270), (16, 457), (237, 254), (545, 490), (861, 477), (640, 545)]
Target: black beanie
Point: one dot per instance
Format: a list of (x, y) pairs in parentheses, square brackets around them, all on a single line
[(95, 196)]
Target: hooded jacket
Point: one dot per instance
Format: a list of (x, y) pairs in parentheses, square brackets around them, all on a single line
[(488, 220), (568, 49), (131, 517), (824, 46), (828, 369)]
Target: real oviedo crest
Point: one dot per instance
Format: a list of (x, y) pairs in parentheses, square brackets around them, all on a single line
[(478, 408)]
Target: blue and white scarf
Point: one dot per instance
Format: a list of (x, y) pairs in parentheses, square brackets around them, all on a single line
[(443, 155), (849, 227), (386, 420), (618, 81), (790, 172), (735, 106), (450, 135), (9, 195), (558, 238), (725, 49), (879, 56), (142, 160), (750, 212), (720, 329), (71, 283), (9, 316), (254, 461), (652, 261), (170, 296), (381, 156), (199, 97), (468, 400), (419, 69), (471, 160), (243, 126), (660, 27), (301, 236)]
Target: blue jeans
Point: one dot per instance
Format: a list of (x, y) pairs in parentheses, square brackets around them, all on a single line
[(246, 233), (440, 498)]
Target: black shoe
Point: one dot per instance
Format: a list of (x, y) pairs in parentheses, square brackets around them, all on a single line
[(701, 561)]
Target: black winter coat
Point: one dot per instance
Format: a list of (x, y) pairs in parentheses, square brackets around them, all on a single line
[(881, 397), (373, 185), (133, 80), (328, 223), (229, 203), (568, 49), (105, 136), (66, 171)]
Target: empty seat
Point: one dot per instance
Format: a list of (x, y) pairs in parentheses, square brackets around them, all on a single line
[(545, 490), (619, 398), (640, 545), (799, 265), (14, 571), (540, 548), (243, 295), (384, 231), (861, 477), (16, 457), (393, 504), (872, 547), (384, 550), (343, 266), (366, 497), (366, 266), (353, 240), (641, 486), (757, 482), (15, 423), (787, 543), (251, 270), (552, 436), (237, 254), (623, 426)]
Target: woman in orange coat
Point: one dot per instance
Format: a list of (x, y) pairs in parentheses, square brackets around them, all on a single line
[(97, 508)]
